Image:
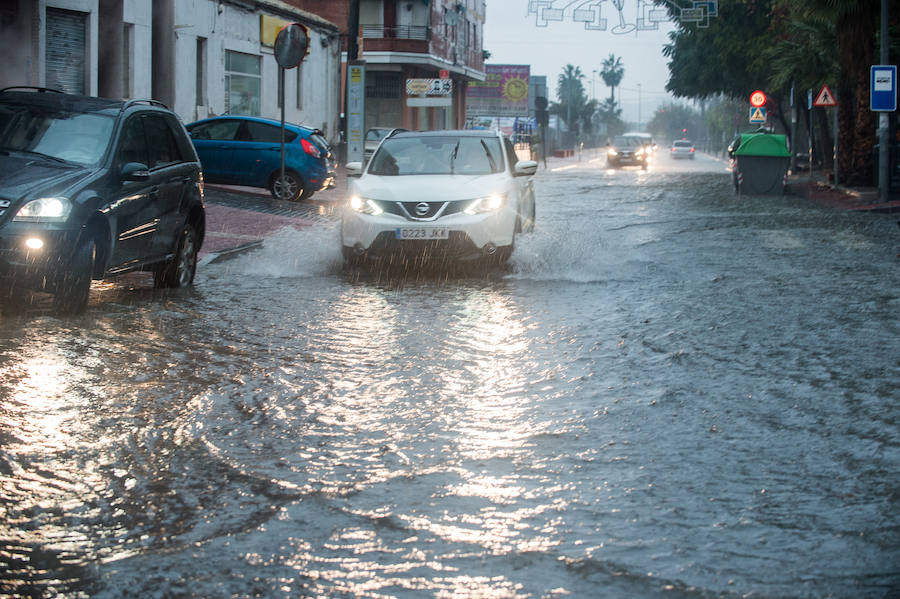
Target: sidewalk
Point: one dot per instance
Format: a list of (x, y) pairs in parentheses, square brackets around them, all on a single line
[(231, 228)]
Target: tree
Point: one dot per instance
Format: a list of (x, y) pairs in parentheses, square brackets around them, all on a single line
[(570, 93), (612, 73), (611, 114), (765, 44)]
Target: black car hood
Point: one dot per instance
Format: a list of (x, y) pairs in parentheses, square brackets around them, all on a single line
[(23, 176)]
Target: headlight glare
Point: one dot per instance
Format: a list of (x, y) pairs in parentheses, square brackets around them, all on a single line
[(365, 206), (53, 209), (489, 203)]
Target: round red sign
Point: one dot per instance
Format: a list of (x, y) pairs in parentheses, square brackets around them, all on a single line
[(758, 98)]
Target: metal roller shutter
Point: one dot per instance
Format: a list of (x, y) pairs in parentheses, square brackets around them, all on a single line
[(65, 57)]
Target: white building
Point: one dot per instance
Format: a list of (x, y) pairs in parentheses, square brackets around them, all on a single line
[(199, 57)]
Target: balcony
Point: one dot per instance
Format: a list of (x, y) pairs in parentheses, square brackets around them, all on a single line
[(396, 38)]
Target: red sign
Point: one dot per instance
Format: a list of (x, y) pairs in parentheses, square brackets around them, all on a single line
[(825, 98), (758, 98), (445, 74)]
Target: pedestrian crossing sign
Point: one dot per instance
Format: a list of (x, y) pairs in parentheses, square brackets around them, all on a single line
[(757, 114), (825, 98)]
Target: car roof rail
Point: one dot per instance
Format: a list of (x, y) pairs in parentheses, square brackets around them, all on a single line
[(396, 131), (31, 88), (130, 103)]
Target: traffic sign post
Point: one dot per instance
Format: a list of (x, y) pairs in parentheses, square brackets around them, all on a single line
[(757, 114), (826, 99), (291, 47), (883, 99), (883, 88)]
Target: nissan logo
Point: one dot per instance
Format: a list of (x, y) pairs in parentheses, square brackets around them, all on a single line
[(422, 208)]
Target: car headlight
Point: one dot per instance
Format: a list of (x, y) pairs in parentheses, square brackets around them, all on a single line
[(54, 209), (365, 206), (490, 203), (639, 152), (612, 152)]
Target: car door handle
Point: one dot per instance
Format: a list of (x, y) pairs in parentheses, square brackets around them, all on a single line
[(154, 193)]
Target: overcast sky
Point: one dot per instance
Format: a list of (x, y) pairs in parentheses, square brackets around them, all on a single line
[(513, 37)]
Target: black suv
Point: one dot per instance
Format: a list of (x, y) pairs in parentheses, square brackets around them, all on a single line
[(91, 188)]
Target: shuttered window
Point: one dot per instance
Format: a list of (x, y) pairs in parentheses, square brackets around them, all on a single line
[(66, 50)]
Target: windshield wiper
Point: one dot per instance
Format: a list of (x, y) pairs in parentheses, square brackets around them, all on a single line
[(33, 153), (453, 155), (489, 157)]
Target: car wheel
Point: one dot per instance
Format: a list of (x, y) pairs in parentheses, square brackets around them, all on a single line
[(74, 285), (351, 258), (180, 270), (291, 187)]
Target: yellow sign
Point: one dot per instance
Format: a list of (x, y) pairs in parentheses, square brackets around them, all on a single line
[(269, 28)]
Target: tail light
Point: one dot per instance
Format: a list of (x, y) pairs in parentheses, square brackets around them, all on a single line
[(310, 148)]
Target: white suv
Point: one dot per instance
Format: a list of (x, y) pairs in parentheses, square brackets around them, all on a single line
[(445, 195)]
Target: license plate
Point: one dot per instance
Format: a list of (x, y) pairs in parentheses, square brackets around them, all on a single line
[(422, 233)]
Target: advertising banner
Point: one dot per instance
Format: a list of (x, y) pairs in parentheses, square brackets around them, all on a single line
[(504, 92)]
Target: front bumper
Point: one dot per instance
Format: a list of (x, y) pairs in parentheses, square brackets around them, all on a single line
[(470, 236), (27, 266)]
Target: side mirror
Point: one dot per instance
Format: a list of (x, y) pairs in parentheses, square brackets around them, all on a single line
[(525, 168), (135, 171), (354, 169)]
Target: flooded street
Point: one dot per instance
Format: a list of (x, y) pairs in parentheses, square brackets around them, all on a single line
[(670, 392)]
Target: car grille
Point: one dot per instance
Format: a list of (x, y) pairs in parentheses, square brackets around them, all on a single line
[(423, 211)]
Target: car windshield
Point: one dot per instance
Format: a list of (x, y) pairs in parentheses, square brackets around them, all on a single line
[(438, 155), (376, 134), (627, 142), (76, 137)]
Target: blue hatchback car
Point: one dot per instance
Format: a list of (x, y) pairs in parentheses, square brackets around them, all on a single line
[(245, 150)]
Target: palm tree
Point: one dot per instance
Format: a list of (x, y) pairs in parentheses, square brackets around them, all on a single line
[(612, 73), (570, 91)]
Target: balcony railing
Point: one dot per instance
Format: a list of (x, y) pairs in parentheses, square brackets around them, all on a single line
[(399, 32)]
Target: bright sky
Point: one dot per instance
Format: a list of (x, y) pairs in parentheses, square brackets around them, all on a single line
[(513, 37)]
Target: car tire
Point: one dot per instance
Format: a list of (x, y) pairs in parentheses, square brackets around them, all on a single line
[(180, 270), (292, 188), (74, 285), (351, 258)]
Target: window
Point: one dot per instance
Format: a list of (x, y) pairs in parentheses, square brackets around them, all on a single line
[(217, 130), (161, 142), (133, 148), (300, 85), (263, 133), (128, 61), (200, 84), (242, 83)]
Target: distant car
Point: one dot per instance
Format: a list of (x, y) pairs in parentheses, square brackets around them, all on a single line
[(373, 138), (646, 138), (91, 188), (626, 150), (454, 195), (245, 150), (682, 148)]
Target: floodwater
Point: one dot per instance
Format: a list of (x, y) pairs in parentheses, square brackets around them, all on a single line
[(670, 392)]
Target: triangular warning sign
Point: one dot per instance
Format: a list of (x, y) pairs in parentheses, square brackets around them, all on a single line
[(825, 98), (757, 114)]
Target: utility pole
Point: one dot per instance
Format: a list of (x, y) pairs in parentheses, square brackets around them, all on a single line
[(353, 31), (884, 175)]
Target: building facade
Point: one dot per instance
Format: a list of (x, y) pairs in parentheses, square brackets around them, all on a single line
[(402, 40), (199, 57)]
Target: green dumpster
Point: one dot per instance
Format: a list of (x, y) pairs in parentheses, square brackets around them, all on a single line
[(760, 164)]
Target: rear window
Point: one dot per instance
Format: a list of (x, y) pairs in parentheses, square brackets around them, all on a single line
[(683, 144)]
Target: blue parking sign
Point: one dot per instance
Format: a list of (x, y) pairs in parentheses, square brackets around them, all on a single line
[(883, 88)]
